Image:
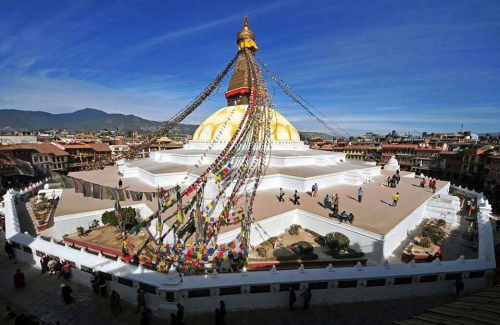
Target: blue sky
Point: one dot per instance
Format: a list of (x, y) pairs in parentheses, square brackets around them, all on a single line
[(369, 66)]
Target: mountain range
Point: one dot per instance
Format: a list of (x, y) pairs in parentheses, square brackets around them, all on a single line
[(85, 120), (91, 120)]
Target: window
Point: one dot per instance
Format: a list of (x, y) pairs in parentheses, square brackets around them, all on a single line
[(199, 293), (260, 289), (476, 274), (147, 288), (35, 159), (126, 282), (405, 280), (428, 278), (375, 283), (46, 158), (348, 284), (230, 291)]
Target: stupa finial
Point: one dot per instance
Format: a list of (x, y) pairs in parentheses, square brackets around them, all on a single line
[(246, 38)]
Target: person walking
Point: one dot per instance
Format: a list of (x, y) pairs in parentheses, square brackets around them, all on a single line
[(173, 319), (66, 292), (336, 202), (94, 281), (103, 287), (9, 250), (218, 317), (141, 300), (307, 297), (459, 285), (296, 198), (19, 281), (395, 199), (223, 311), (282, 194), (44, 261), (114, 303), (315, 190), (66, 270), (360, 194), (292, 298), (180, 313), (120, 183)]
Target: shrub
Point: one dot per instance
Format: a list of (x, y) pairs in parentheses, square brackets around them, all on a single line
[(262, 251), (302, 248), (294, 229), (425, 242), (128, 217), (434, 232), (337, 241)]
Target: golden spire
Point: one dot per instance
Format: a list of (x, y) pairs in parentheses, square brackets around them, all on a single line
[(238, 90), (246, 38)]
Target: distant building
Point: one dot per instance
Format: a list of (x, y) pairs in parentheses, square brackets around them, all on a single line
[(17, 139)]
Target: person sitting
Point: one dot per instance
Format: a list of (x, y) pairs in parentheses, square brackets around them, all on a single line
[(326, 201), (343, 217), (350, 218)]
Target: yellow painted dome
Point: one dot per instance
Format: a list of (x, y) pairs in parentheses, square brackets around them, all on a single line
[(281, 129)]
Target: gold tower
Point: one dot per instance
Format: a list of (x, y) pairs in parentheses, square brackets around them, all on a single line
[(238, 91)]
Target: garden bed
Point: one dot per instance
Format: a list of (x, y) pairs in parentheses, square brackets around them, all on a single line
[(40, 211), (427, 244), (314, 253)]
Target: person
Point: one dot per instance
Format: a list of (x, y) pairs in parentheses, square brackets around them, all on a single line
[(307, 297), (395, 199), (19, 281), (336, 202), (44, 261), (343, 217), (51, 265), (326, 201), (102, 287), (292, 298), (296, 198), (468, 204), (282, 194), (218, 317), (9, 250), (9, 314), (315, 190), (180, 313), (94, 281), (222, 311), (360, 194), (149, 314), (120, 183), (173, 319), (66, 269), (422, 183), (66, 292), (114, 302), (388, 181), (459, 285), (350, 218), (58, 268), (141, 300)]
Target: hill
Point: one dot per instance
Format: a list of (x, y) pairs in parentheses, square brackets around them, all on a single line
[(85, 120)]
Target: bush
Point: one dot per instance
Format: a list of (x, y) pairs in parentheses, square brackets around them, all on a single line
[(434, 232), (302, 248), (128, 217), (425, 242), (294, 229), (337, 241), (262, 251)]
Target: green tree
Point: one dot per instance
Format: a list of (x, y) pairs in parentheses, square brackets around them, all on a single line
[(128, 217), (336, 240)]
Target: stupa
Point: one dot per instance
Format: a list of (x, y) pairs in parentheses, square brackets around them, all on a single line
[(182, 166)]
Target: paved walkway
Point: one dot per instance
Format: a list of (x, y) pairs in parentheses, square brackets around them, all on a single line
[(42, 297)]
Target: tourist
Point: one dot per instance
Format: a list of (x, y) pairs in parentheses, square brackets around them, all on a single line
[(141, 300), (350, 218), (296, 198), (120, 183), (282, 194), (315, 190), (94, 281), (326, 201), (19, 282), (336, 202), (9, 250), (58, 268), (218, 317), (103, 287), (422, 183), (66, 292), (343, 217), (360, 194), (388, 181), (292, 298), (180, 313), (223, 311), (459, 285), (66, 269), (307, 297), (9, 314), (395, 199), (44, 261), (114, 299)]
